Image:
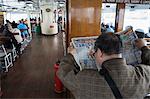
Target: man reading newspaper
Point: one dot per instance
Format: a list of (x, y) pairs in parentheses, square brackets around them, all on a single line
[(133, 82)]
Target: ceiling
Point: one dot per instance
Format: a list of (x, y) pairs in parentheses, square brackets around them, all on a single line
[(24, 5), (18, 5), (34, 5)]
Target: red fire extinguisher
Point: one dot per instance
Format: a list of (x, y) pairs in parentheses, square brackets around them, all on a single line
[(58, 84)]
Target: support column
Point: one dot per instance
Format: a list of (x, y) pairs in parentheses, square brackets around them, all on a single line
[(84, 17), (29, 23), (119, 21)]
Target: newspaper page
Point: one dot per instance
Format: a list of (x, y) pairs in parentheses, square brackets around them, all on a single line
[(148, 41), (130, 52), (83, 45)]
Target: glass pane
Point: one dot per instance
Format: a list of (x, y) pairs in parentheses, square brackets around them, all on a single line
[(108, 14), (137, 16)]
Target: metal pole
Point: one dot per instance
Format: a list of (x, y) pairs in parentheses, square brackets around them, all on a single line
[(29, 25)]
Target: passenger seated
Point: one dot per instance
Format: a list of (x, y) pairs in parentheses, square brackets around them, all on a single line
[(7, 29), (109, 29), (140, 33), (17, 34), (8, 37), (24, 29)]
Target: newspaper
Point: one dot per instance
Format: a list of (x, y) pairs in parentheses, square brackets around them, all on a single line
[(130, 52), (83, 45), (148, 41)]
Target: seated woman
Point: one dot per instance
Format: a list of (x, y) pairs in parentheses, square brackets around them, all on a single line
[(24, 30)]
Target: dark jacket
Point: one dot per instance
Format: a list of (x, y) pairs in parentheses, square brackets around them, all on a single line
[(133, 82)]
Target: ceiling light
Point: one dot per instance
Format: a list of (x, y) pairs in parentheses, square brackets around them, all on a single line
[(107, 6), (14, 8)]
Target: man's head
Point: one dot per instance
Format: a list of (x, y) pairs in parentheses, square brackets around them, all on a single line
[(107, 46), (107, 26), (21, 21)]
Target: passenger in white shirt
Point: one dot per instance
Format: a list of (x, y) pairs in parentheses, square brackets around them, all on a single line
[(17, 34)]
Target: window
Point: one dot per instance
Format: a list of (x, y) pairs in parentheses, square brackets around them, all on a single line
[(108, 14), (138, 16)]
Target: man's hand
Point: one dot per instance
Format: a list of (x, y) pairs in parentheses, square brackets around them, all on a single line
[(140, 43), (91, 53), (71, 49)]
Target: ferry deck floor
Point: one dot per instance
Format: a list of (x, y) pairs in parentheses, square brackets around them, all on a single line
[(32, 75)]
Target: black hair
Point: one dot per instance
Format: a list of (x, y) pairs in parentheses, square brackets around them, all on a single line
[(14, 25), (8, 21), (107, 26), (109, 43)]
